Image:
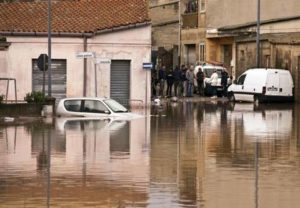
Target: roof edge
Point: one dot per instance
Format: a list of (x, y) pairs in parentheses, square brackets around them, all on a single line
[(44, 34), (263, 22), (125, 27), (74, 34)]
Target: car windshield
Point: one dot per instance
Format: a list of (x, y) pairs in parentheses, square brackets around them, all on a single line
[(209, 71), (115, 106)]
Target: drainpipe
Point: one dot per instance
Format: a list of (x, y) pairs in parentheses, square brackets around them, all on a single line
[(84, 66)]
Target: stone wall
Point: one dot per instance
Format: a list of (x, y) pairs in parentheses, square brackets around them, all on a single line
[(20, 110)]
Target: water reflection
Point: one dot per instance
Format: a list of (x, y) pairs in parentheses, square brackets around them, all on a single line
[(186, 154), (214, 153), (84, 169)]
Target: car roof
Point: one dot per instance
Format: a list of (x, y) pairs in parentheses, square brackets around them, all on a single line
[(85, 98), (213, 67)]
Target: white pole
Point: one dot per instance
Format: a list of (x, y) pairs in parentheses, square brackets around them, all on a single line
[(96, 94)]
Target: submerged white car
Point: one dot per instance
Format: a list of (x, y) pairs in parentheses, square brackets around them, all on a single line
[(93, 107)]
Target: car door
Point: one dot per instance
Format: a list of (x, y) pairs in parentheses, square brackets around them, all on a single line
[(238, 88), (94, 108)]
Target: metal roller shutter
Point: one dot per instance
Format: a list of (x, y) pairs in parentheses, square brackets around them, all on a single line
[(59, 78), (120, 81)]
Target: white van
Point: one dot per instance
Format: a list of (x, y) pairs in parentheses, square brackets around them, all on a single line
[(262, 85), (208, 70)]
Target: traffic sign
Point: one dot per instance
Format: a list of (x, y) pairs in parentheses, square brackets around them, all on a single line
[(147, 65), (103, 61), (42, 62)]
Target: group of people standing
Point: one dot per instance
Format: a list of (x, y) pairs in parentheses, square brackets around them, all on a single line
[(183, 82)]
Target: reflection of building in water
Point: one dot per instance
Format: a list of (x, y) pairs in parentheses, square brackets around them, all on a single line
[(174, 155), (81, 165), (231, 156), (119, 138), (218, 165)]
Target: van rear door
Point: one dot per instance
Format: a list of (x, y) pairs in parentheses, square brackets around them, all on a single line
[(272, 84), (285, 84)]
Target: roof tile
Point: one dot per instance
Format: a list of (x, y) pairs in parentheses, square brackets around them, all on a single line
[(72, 16)]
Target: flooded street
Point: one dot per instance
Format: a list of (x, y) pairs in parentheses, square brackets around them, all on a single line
[(186, 154)]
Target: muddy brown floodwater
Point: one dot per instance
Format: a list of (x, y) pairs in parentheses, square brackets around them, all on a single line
[(186, 154)]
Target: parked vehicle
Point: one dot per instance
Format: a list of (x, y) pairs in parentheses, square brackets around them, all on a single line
[(262, 85), (208, 70), (93, 107)]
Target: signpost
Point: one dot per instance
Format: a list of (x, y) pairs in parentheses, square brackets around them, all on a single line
[(103, 61)]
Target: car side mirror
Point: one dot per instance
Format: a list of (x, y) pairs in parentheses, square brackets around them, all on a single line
[(234, 82)]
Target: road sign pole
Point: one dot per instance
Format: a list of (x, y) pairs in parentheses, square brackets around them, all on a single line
[(44, 74), (96, 94)]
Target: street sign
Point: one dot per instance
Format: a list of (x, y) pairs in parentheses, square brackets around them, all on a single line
[(103, 61), (85, 54), (42, 62), (147, 65)]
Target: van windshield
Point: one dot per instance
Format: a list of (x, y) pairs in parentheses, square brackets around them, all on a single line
[(115, 106)]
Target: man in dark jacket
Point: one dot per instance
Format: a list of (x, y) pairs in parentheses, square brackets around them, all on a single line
[(170, 81), (224, 78), (162, 76), (200, 79)]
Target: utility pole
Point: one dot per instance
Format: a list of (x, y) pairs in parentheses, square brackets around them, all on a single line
[(49, 49), (179, 33), (258, 35)]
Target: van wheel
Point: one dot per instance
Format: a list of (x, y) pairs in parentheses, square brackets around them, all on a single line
[(231, 97), (256, 100)]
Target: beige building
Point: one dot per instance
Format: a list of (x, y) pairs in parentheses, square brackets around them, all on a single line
[(193, 28), (225, 32), (178, 31), (164, 16), (231, 35)]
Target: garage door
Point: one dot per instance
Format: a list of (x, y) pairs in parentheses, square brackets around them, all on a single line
[(120, 81), (59, 78)]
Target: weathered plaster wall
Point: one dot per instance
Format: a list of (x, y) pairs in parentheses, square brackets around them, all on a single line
[(233, 12), (3, 71), (164, 13), (134, 45), (165, 36), (165, 25), (282, 56)]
